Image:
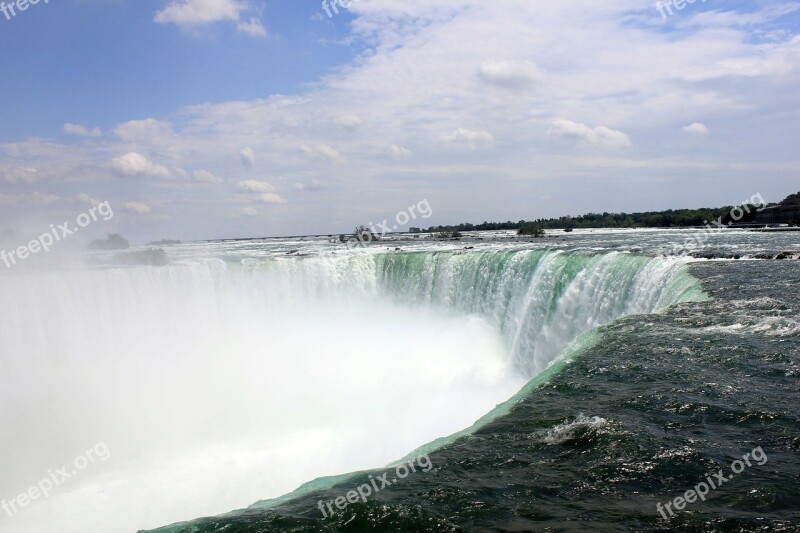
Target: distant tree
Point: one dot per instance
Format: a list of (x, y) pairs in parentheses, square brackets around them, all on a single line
[(531, 229), (792, 199)]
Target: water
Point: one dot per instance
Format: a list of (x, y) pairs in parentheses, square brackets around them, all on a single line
[(243, 369)]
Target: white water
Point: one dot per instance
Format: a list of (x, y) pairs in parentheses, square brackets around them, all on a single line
[(214, 387)]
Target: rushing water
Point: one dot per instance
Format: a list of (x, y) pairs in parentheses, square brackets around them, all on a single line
[(241, 370)]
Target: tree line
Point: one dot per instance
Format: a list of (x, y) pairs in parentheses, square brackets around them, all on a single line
[(672, 218)]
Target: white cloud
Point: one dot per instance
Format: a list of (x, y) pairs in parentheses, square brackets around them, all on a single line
[(204, 176), (134, 164), (271, 198), (199, 12), (247, 157), (398, 151), (697, 128), (249, 211), (511, 74), (20, 175), (313, 186), (83, 131), (349, 122), (252, 27), (137, 208), (601, 135), (191, 14), (86, 199), (321, 151), (144, 131), (35, 198), (473, 138), (255, 186)]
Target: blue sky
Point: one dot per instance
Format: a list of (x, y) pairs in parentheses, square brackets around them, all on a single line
[(235, 118), (107, 61)]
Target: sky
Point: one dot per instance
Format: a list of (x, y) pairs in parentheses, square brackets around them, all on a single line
[(206, 119)]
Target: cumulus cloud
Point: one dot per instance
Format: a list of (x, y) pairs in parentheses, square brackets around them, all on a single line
[(82, 131), (247, 156), (204, 176), (601, 135), (134, 164), (511, 74), (252, 27), (144, 131), (86, 199), (198, 12), (19, 175), (321, 151), (255, 186), (192, 14), (271, 198), (249, 211), (697, 128), (473, 138), (137, 208), (349, 122), (398, 151)]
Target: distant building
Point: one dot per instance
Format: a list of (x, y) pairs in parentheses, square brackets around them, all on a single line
[(786, 212), (414, 230)]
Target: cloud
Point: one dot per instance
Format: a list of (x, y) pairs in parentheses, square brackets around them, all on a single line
[(398, 151), (349, 122), (34, 198), (313, 186), (601, 135), (86, 199), (473, 138), (199, 12), (255, 186), (144, 131), (191, 14), (134, 164), (321, 151), (252, 27), (697, 128), (511, 74), (204, 176), (249, 211), (271, 198), (83, 131), (137, 208), (247, 157), (20, 175)]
